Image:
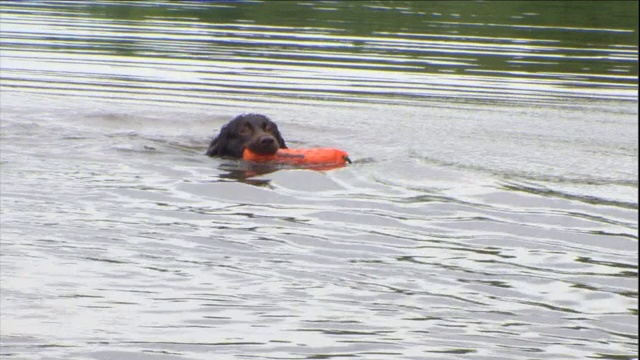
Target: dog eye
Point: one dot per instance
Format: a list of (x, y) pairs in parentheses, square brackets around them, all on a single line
[(244, 131)]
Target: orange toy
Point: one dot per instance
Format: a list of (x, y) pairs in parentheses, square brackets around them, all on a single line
[(328, 158)]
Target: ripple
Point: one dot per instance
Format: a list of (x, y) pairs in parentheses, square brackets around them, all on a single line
[(491, 210)]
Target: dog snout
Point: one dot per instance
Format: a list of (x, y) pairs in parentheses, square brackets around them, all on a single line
[(267, 140), (264, 144)]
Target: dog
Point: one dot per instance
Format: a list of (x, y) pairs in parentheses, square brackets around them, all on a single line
[(247, 131)]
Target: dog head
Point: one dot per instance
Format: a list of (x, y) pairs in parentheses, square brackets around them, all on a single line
[(253, 131)]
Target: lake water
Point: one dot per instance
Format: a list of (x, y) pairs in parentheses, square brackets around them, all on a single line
[(491, 211)]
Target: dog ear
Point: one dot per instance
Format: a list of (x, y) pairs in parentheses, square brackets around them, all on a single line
[(217, 146), (281, 142), (278, 137), (220, 143)]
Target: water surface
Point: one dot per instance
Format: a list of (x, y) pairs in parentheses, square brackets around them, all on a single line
[(490, 213)]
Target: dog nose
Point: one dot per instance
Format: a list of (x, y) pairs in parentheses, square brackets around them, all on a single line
[(267, 140)]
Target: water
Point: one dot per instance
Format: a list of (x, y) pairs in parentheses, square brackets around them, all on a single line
[(490, 213)]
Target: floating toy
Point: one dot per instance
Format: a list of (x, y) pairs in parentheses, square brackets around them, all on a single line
[(319, 158)]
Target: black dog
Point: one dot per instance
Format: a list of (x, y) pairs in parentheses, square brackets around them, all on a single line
[(253, 131)]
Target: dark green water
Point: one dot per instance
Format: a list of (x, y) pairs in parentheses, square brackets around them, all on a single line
[(380, 51), (491, 211)]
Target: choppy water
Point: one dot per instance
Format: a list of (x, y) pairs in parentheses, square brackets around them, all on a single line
[(491, 212)]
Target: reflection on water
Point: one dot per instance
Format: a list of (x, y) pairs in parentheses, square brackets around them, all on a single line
[(490, 212), (406, 52)]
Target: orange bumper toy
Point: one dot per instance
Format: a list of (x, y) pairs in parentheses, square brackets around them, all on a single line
[(317, 158)]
